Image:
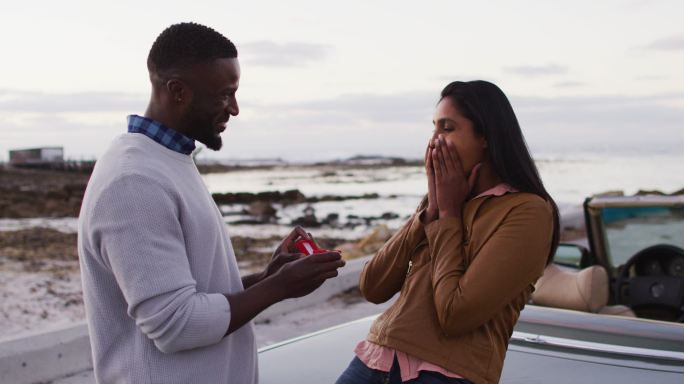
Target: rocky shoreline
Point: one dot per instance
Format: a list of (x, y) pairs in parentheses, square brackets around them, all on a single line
[(27, 193), (30, 193), (39, 272), (47, 193)]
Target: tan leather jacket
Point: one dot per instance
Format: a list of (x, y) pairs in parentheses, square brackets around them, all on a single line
[(463, 282)]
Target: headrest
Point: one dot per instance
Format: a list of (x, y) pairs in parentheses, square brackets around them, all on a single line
[(585, 290)]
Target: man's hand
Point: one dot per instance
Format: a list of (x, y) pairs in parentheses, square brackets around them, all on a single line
[(286, 251), (303, 276), (283, 254), (287, 279)]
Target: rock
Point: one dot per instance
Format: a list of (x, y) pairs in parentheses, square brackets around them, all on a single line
[(376, 238), (332, 220), (28, 193), (37, 244), (263, 211), (610, 193), (647, 192), (293, 196), (368, 245), (287, 197), (318, 199), (233, 198), (247, 222), (308, 220)]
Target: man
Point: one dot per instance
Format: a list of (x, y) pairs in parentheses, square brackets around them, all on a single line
[(163, 295)]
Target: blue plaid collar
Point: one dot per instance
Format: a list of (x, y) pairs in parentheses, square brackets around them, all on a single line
[(162, 134)]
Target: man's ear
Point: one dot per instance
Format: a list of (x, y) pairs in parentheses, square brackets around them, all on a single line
[(178, 91)]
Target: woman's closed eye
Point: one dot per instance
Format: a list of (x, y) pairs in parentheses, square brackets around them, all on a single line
[(444, 128)]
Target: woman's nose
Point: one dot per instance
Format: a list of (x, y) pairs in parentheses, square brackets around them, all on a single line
[(434, 137)]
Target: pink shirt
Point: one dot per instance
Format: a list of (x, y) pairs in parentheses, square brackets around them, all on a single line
[(381, 358)]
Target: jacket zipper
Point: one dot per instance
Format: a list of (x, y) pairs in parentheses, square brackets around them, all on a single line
[(381, 334)]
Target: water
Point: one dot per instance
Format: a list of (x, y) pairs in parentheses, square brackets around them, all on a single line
[(570, 178)]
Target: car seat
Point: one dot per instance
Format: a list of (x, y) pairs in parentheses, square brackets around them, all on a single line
[(584, 290)]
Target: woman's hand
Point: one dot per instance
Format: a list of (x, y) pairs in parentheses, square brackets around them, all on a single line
[(432, 211), (452, 188)]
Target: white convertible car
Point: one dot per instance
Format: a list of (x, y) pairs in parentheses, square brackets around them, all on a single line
[(607, 312)]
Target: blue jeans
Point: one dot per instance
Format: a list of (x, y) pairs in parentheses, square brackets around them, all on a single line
[(359, 373)]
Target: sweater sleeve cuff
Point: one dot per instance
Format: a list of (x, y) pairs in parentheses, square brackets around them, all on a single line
[(217, 318)]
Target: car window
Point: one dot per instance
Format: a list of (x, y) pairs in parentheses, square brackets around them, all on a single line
[(629, 230), (568, 255)]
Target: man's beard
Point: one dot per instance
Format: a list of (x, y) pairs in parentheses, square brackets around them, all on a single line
[(202, 129), (211, 140)]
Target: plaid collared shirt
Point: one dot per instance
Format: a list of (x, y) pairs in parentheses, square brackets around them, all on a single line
[(162, 134)]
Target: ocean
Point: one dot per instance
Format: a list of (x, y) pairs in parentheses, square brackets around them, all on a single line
[(569, 177)]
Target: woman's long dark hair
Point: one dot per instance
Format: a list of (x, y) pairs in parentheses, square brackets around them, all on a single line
[(486, 106)]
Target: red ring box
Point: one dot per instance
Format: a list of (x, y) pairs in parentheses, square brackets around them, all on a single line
[(308, 247)]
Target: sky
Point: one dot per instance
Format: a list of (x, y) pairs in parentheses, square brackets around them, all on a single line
[(323, 80)]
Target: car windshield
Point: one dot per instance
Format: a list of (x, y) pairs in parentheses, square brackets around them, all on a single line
[(631, 229)]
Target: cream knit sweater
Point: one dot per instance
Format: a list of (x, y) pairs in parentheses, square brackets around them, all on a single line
[(156, 260)]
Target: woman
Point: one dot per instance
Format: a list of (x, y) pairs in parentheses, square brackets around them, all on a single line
[(466, 262)]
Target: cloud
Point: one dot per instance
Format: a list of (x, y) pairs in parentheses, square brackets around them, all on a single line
[(671, 43), (82, 122), (444, 80), (569, 84), (370, 107), (597, 102), (390, 124), (81, 140), (272, 54), (21, 101), (624, 124), (651, 78), (397, 125), (537, 70)]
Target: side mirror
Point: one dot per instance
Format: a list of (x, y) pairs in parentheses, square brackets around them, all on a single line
[(571, 255)]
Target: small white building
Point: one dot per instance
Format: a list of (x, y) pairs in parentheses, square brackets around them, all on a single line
[(43, 155)]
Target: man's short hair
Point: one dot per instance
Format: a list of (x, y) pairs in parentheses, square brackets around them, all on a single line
[(186, 44)]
